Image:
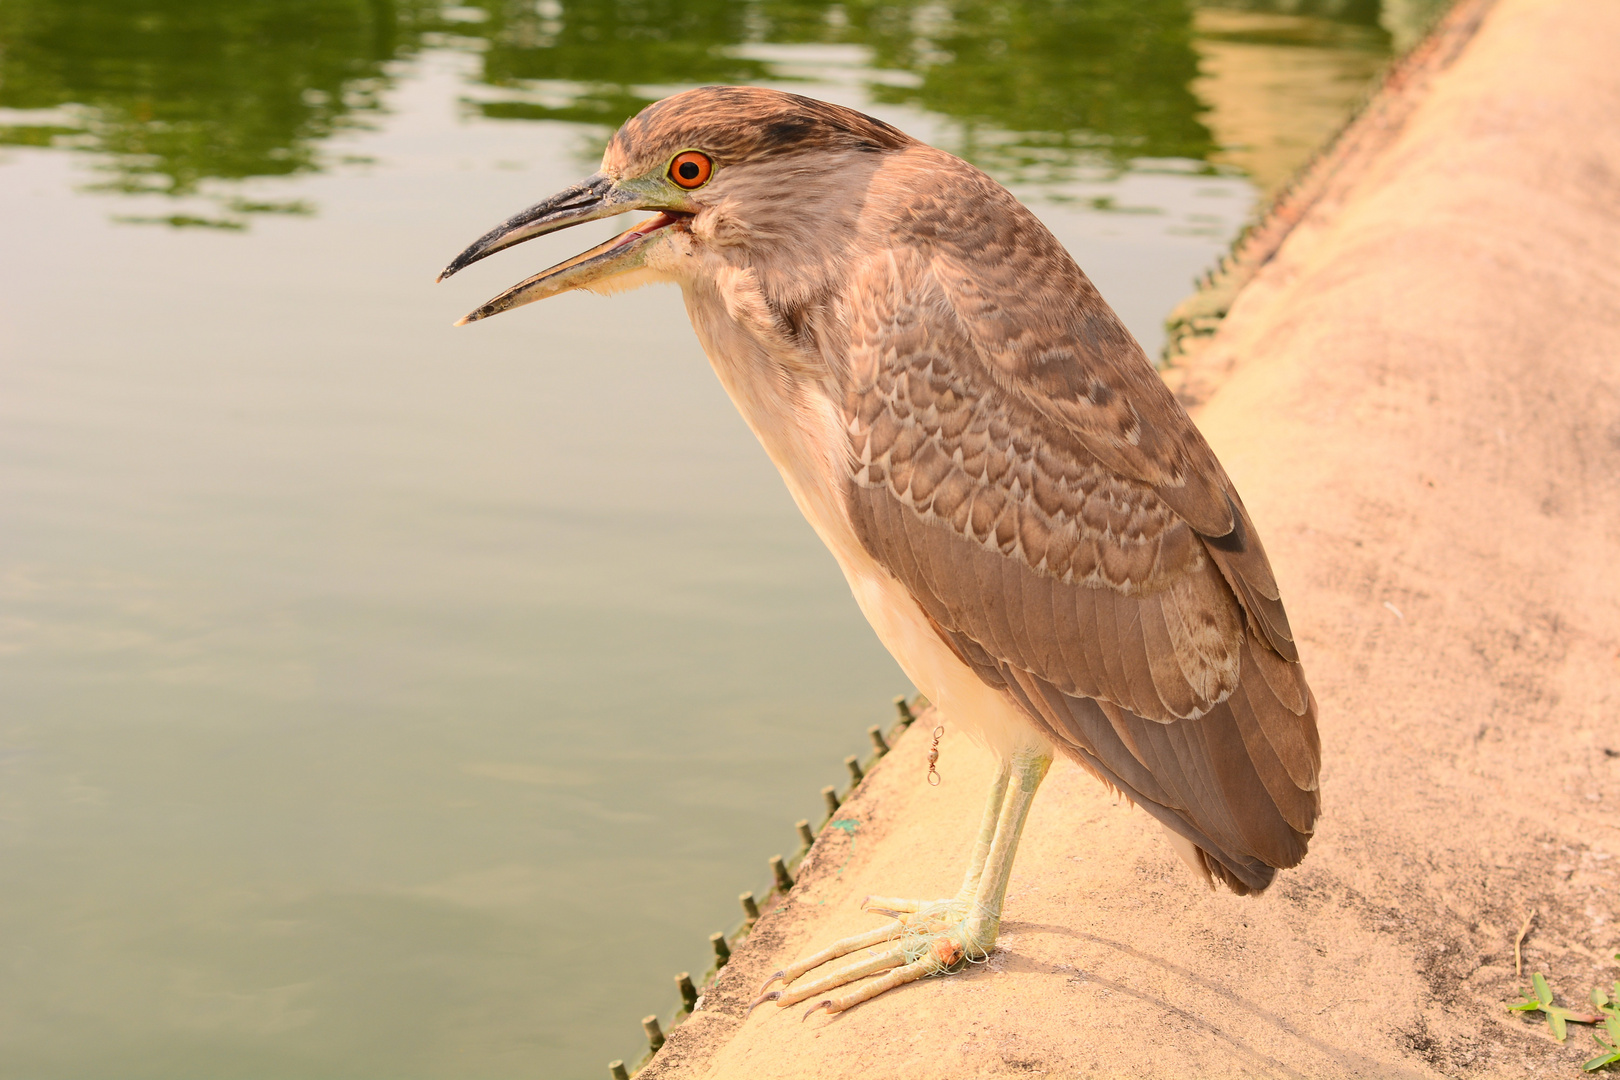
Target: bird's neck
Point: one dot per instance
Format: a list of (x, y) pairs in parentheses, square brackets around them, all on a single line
[(785, 393)]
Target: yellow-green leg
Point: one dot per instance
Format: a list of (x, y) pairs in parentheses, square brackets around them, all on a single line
[(930, 937)]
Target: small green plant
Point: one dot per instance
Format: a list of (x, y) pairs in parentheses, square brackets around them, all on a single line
[(1606, 1004), (1558, 1017), (1609, 1007), (1611, 1050)]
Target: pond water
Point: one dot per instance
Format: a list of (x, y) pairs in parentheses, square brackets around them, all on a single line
[(379, 699)]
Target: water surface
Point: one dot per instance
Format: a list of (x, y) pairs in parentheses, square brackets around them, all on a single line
[(382, 699)]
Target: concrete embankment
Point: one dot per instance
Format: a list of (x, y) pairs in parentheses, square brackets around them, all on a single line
[(1418, 395)]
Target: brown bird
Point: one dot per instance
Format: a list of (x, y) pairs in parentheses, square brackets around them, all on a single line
[(1026, 515)]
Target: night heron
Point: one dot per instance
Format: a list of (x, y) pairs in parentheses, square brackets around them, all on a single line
[(1026, 515)]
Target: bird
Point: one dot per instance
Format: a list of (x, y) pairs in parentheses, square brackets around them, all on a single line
[(1024, 512)]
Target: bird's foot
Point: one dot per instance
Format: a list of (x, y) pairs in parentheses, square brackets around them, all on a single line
[(924, 937)]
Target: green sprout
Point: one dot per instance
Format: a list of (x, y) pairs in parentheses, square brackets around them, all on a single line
[(1611, 1049), (1609, 1007), (1558, 1017)]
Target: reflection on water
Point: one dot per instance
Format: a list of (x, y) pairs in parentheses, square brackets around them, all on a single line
[(1277, 85), (176, 92), (1005, 74), (173, 93), (379, 699)]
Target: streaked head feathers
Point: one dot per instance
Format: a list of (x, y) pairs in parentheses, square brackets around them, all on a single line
[(734, 124)]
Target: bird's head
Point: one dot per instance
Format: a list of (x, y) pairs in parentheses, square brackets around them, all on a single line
[(728, 171)]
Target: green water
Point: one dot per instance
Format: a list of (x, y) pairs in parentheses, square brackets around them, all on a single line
[(384, 700)]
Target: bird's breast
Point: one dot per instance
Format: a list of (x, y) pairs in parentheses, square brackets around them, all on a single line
[(792, 410), (782, 397)]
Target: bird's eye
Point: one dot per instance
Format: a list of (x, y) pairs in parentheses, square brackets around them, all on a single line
[(691, 169)]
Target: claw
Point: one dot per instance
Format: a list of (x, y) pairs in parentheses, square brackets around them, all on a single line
[(890, 912), (762, 999), (824, 1003), (832, 952)]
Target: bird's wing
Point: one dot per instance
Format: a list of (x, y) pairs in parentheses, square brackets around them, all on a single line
[(1055, 527), (1044, 336)]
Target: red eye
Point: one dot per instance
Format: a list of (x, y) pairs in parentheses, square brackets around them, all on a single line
[(691, 169)]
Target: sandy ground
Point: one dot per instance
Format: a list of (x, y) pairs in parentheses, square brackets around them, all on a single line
[(1419, 398)]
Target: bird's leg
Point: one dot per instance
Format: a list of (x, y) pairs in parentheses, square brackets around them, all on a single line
[(987, 834), (904, 912), (984, 919), (938, 936), (889, 905)]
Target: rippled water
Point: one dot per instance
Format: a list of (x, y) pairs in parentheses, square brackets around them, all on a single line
[(382, 699)]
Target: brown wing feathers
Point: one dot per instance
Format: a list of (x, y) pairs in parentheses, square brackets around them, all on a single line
[(1218, 779), (1243, 563), (1067, 561)]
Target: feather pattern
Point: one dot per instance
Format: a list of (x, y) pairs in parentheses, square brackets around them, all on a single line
[(1021, 469)]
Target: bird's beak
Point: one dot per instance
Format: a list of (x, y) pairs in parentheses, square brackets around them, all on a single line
[(597, 197)]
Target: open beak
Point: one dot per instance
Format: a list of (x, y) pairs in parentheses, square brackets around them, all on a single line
[(589, 200)]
